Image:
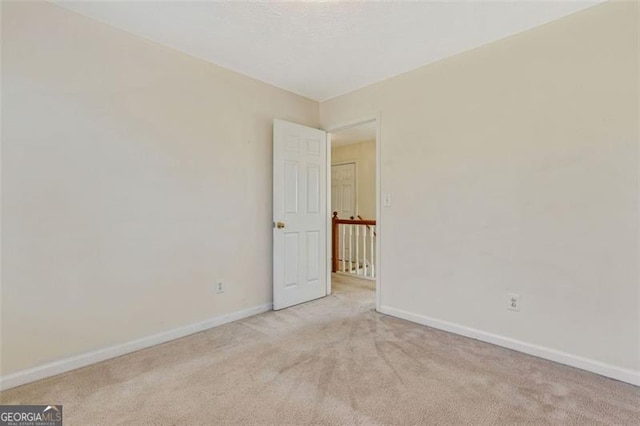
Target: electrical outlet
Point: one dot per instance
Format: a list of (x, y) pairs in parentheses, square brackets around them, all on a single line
[(513, 301), (220, 288)]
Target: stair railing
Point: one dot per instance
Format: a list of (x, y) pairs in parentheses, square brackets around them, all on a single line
[(353, 246)]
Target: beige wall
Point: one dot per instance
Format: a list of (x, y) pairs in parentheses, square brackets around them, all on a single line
[(134, 178), (514, 168), (364, 155)]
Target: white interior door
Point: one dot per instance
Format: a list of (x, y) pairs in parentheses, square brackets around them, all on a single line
[(343, 190), (299, 214)]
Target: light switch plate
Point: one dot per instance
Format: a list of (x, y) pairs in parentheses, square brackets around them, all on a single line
[(386, 200)]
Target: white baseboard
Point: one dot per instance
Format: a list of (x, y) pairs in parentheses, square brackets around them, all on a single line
[(607, 370), (82, 360)]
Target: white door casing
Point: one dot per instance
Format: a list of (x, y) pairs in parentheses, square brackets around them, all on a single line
[(343, 190), (299, 206), (339, 127)]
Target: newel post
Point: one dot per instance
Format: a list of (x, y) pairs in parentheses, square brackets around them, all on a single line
[(334, 242)]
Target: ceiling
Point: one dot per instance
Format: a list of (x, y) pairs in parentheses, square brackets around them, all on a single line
[(355, 134), (320, 49)]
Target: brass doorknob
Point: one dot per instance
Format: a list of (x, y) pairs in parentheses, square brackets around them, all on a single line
[(279, 225)]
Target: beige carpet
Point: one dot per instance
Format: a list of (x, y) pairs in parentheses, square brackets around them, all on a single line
[(331, 361)]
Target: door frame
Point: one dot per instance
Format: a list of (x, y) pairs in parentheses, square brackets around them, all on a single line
[(333, 128)]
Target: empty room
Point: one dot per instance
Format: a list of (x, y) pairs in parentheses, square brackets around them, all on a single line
[(336, 213)]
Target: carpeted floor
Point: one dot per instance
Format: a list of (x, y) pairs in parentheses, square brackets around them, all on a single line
[(331, 361)]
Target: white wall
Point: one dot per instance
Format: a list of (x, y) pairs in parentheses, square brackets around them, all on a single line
[(134, 177), (364, 155), (514, 168)]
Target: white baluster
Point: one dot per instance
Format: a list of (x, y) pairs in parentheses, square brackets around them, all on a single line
[(373, 256), (357, 251), (350, 248), (364, 251), (344, 244)]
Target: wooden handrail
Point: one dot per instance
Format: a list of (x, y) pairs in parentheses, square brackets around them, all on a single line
[(374, 232), (356, 222)]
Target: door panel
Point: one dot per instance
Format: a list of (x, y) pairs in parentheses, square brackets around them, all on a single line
[(299, 203), (291, 259), (291, 186), (313, 188), (313, 251)]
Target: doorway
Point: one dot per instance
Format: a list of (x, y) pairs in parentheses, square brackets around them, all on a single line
[(303, 219), (353, 153)]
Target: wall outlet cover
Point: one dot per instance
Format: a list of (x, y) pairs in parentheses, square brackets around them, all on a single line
[(513, 302)]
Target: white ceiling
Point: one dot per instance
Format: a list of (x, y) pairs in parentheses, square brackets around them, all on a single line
[(321, 49), (361, 133)]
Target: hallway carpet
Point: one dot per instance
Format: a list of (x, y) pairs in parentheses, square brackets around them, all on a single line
[(331, 361)]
